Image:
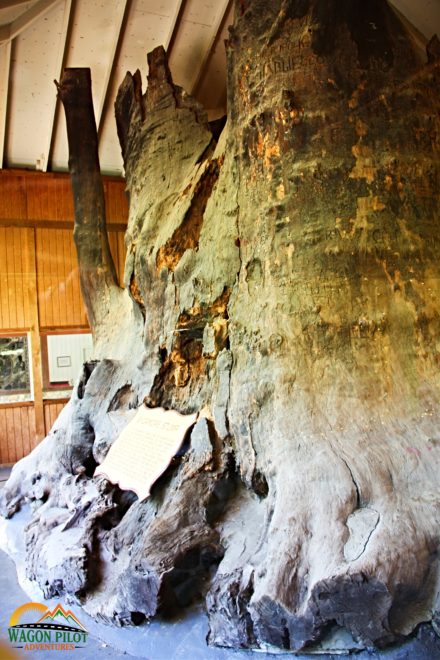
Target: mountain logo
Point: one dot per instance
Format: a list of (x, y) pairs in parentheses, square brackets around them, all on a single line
[(61, 613), (34, 627)]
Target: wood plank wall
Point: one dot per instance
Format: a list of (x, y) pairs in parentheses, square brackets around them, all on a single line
[(17, 432), (39, 283), (52, 409)]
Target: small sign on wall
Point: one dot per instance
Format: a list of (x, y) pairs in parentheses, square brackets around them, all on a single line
[(64, 361), (66, 355)]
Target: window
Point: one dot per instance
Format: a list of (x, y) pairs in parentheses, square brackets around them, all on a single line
[(62, 358), (14, 366)]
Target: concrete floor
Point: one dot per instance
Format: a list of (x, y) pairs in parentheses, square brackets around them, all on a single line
[(183, 639)]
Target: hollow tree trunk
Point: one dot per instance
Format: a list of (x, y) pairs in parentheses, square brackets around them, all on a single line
[(285, 281)]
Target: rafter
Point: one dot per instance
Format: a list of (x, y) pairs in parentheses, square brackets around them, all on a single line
[(419, 38), (224, 7), (25, 20), (174, 25), (7, 4), (5, 61), (58, 69), (121, 9)]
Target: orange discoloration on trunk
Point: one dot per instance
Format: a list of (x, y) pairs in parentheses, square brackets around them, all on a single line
[(186, 236), (364, 167), (186, 363), (136, 293)]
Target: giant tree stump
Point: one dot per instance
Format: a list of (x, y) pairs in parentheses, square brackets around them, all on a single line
[(285, 279)]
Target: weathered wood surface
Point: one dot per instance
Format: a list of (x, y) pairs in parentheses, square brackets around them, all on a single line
[(284, 279)]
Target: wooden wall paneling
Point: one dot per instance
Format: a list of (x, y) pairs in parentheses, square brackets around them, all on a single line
[(74, 284), (3, 437), (4, 298), (68, 275), (117, 248), (37, 198), (116, 202), (10, 272), (53, 260), (78, 305), (59, 295), (54, 263), (10, 439), (18, 433), (121, 255), (37, 380), (61, 277), (35, 436), (3, 444), (18, 245), (37, 371), (25, 243), (51, 411), (14, 242), (25, 427), (49, 198), (113, 240), (64, 200), (3, 440), (42, 279), (13, 196), (39, 282)]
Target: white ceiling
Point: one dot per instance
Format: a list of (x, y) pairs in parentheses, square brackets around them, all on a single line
[(38, 38)]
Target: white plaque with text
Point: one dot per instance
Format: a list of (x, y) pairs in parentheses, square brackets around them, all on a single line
[(144, 449)]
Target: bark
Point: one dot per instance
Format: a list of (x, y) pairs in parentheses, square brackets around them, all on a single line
[(97, 271), (285, 281)]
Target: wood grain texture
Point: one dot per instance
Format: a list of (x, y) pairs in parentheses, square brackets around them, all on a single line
[(17, 432), (52, 409), (16, 250), (39, 282), (47, 197), (59, 297)]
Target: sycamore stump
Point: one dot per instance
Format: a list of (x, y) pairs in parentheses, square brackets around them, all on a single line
[(284, 278)]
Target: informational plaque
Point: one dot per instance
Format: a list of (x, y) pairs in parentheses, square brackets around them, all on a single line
[(144, 449)]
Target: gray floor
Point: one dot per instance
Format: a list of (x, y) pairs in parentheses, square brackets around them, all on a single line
[(183, 639), (4, 473)]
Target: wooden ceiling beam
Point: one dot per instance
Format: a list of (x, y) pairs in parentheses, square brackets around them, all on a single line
[(174, 26), (5, 62), (122, 9), (225, 6), (25, 20), (7, 4), (57, 72)]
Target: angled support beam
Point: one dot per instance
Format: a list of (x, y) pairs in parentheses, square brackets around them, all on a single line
[(223, 10), (58, 69), (173, 26), (7, 4), (419, 38), (9, 32), (5, 62), (121, 10)]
